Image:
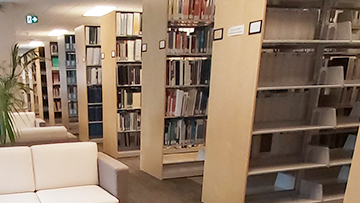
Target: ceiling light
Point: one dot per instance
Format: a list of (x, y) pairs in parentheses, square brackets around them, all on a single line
[(99, 11), (36, 44), (57, 32)]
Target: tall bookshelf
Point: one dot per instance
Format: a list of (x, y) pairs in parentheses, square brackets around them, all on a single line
[(69, 101), (283, 118), (89, 84), (121, 46), (44, 100), (176, 78), (38, 97)]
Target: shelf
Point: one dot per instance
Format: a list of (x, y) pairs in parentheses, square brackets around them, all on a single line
[(352, 83), (57, 98), (311, 43), (286, 126), (333, 192), (187, 86), (129, 36), (71, 69), (93, 45), (189, 55), (180, 158), (93, 65), (97, 140), (189, 23), (347, 122), (125, 154), (340, 157), (297, 87), (95, 104), (279, 164), (129, 131), (54, 55), (130, 109), (129, 86), (56, 84), (92, 85), (95, 122), (74, 101), (172, 150), (131, 62), (57, 111), (180, 117), (72, 84), (278, 197)]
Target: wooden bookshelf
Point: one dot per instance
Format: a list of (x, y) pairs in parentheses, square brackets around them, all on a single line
[(67, 62), (279, 132), (121, 46), (89, 84), (162, 155)]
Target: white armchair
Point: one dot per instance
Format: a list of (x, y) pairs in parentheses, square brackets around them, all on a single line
[(33, 131)]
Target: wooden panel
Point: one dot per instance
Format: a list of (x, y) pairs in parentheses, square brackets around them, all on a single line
[(153, 87), (39, 86), (63, 83), (108, 45), (48, 64), (82, 83), (235, 65), (353, 185)]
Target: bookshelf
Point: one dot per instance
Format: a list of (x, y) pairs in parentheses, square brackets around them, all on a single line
[(176, 76), (69, 101), (44, 73), (288, 119), (121, 46), (89, 84)]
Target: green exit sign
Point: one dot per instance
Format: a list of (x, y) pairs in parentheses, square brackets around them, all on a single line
[(30, 19)]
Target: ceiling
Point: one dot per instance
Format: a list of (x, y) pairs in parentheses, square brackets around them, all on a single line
[(55, 14)]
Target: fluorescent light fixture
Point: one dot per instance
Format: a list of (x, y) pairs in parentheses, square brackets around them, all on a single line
[(57, 32), (99, 11), (36, 44)]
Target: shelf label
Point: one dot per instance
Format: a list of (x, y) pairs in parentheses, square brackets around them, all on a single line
[(162, 44), (236, 30), (102, 55), (113, 54), (255, 27), (144, 47), (218, 34)]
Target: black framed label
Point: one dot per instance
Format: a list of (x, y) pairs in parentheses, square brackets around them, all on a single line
[(255, 27), (218, 34)]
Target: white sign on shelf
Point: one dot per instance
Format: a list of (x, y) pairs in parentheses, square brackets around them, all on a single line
[(236, 30)]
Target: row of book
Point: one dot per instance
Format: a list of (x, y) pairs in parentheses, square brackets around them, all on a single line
[(95, 113), (72, 93), (191, 9), (94, 76), (190, 40), (56, 77), (57, 106), (73, 109), (95, 130), (188, 72), (128, 99), (54, 48), (186, 103), (128, 24), (92, 35), (129, 75), (70, 59), (55, 62), (128, 122), (93, 56), (71, 77), (94, 95), (56, 91), (128, 50), (69, 42), (285, 68), (185, 132), (129, 141)]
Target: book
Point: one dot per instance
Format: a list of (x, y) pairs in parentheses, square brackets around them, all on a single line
[(138, 50), (137, 24), (130, 24), (130, 50)]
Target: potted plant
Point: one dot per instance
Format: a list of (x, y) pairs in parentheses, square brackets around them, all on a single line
[(10, 91)]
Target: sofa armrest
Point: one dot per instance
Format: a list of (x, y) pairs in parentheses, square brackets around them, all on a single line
[(40, 122), (113, 177)]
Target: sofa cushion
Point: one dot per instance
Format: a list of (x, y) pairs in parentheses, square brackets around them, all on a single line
[(30, 197), (65, 165), (24, 119), (16, 170), (81, 194)]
